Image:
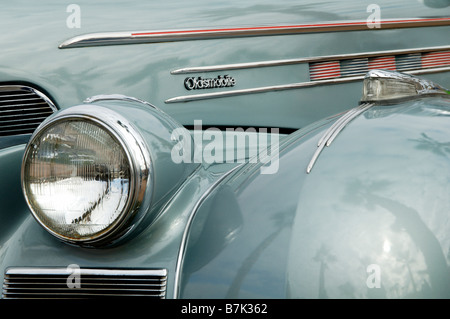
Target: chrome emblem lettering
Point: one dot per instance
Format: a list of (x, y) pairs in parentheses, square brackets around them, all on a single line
[(199, 83)]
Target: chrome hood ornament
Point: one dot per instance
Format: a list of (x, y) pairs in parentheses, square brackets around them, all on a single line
[(379, 86), (383, 85)]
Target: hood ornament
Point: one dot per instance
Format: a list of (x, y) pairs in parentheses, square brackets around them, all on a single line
[(379, 86), (383, 85)]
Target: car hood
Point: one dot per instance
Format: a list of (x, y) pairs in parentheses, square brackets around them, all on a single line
[(375, 202), (377, 199)]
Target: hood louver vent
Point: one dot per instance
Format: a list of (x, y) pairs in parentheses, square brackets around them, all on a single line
[(344, 67), (22, 109)]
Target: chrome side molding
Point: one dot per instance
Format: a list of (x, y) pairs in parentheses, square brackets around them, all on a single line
[(331, 69), (134, 37), (120, 97), (284, 87), (325, 58)]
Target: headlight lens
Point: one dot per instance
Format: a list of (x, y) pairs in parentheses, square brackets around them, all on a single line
[(79, 179)]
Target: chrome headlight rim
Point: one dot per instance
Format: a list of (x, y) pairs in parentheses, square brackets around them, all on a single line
[(138, 157)]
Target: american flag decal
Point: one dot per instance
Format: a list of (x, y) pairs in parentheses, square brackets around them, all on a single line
[(350, 67)]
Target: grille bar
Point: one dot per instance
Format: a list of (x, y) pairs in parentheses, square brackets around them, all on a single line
[(26, 106), (53, 283), (15, 119)]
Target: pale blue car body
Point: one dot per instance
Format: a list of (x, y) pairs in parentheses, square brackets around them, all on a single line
[(370, 220)]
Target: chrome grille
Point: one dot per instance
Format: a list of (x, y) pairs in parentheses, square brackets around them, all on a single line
[(60, 283), (22, 109)]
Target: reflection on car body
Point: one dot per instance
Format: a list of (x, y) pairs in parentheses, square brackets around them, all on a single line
[(225, 150)]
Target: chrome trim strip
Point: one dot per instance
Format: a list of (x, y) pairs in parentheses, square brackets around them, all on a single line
[(97, 39), (118, 38), (184, 238), (125, 98), (120, 97), (291, 86), (196, 97), (45, 98), (342, 125), (238, 66), (329, 132), (334, 130)]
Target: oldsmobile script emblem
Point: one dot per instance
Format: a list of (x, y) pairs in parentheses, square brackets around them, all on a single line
[(199, 83)]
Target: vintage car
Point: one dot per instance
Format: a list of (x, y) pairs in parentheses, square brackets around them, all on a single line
[(236, 149)]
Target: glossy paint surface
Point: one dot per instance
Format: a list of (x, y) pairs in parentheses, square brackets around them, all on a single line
[(378, 201), (26, 243), (143, 70), (250, 235), (370, 221)]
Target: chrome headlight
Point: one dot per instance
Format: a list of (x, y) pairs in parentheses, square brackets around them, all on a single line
[(85, 174)]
